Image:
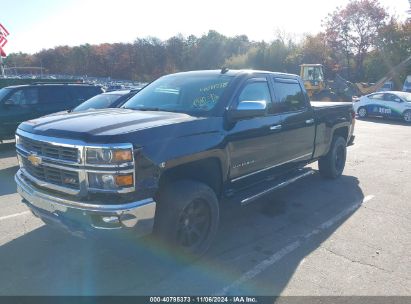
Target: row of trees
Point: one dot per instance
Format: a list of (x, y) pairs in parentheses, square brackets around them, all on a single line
[(360, 41)]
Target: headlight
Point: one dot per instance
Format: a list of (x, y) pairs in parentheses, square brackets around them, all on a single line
[(108, 156), (110, 181)]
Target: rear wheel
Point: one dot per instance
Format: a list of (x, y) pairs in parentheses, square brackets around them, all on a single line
[(187, 217), (407, 116), (362, 112), (332, 165)]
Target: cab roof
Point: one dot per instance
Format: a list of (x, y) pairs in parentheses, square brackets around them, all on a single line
[(234, 73)]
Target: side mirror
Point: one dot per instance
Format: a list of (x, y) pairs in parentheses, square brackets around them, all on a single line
[(248, 109)]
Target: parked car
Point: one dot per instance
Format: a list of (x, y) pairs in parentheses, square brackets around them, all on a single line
[(112, 99), (182, 146), (388, 86), (116, 87), (25, 102), (392, 104)]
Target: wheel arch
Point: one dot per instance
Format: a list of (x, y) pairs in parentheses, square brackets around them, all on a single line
[(208, 171)]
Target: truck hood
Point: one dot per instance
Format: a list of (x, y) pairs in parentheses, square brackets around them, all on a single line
[(101, 123)]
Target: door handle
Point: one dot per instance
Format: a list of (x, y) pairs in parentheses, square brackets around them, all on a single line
[(276, 127), (309, 121)]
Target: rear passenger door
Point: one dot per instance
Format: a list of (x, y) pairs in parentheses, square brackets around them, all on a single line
[(298, 123), (52, 99)]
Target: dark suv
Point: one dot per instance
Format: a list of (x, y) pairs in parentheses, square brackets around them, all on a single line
[(25, 102)]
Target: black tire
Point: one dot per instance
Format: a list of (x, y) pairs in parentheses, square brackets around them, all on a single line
[(362, 112), (187, 217), (407, 116), (332, 165)]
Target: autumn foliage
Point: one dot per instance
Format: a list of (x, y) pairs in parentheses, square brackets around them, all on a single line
[(359, 41)]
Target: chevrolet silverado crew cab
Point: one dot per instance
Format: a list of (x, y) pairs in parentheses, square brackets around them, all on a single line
[(175, 152)]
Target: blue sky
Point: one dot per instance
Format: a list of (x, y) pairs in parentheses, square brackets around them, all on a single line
[(38, 24)]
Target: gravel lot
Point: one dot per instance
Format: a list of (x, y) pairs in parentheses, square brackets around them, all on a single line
[(351, 236)]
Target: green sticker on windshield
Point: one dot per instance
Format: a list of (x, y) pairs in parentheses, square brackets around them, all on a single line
[(205, 102), (216, 86)]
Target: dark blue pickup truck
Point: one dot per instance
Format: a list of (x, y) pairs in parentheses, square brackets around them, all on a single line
[(176, 151)]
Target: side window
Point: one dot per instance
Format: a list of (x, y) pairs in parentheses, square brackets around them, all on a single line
[(376, 96), (289, 97), (256, 91), (391, 97), (53, 95), (26, 96)]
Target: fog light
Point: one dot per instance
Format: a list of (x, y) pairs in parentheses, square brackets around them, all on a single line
[(108, 181), (124, 180), (111, 219)]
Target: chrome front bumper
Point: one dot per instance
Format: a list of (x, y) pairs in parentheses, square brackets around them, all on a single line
[(137, 216)]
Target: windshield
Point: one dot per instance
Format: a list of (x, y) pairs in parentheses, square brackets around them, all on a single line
[(313, 73), (406, 96), (98, 102), (3, 92), (181, 93)]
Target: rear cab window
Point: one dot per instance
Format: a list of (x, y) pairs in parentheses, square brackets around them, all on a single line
[(289, 96)]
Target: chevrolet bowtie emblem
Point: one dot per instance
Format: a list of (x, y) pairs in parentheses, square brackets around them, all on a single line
[(34, 159)]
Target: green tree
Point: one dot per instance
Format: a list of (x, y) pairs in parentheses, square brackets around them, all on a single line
[(353, 30)]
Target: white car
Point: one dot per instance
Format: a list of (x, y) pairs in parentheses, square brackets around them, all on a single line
[(393, 104)]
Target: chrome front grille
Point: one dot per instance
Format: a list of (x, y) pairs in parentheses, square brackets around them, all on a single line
[(55, 176), (60, 165), (49, 150)]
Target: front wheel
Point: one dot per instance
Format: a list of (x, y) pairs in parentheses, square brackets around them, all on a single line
[(187, 217), (407, 116), (332, 164)]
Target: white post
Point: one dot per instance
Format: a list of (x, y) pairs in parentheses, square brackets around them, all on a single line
[(1, 67)]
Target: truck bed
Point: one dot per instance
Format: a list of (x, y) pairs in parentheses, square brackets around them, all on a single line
[(329, 104)]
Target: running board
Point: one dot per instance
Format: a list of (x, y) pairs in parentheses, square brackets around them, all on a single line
[(281, 184)]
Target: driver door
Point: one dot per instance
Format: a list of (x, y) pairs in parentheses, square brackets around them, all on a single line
[(251, 141)]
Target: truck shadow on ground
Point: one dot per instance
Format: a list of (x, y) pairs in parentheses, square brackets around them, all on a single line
[(7, 183), (48, 262), (7, 149)]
